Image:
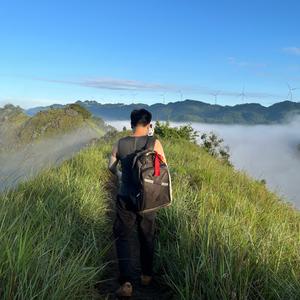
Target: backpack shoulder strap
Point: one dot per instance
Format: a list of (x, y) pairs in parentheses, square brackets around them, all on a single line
[(150, 143)]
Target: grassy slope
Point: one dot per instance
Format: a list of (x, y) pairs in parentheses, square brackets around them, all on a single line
[(49, 123), (53, 231), (11, 120), (224, 237), (19, 129)]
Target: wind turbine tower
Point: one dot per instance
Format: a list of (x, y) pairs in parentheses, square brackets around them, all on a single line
[(243, 95), (216, 94), (291, 90)]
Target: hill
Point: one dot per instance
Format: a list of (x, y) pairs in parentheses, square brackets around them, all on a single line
[(197, 111), (224, 237), (18, 129)]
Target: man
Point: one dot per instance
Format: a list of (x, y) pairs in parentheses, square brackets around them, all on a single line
[(126, 216)]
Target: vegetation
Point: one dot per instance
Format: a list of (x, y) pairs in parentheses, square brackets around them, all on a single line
[(11, 120), (224, 237), (54, 232), (214, 146), (18, 129), (185, 132), (197, 111), (11, 112), (210, 142), (82, 111)]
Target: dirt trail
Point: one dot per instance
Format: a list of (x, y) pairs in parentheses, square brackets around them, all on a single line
[(107, 288)]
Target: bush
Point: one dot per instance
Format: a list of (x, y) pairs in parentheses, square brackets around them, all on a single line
[(214, 146), (81, 110), (210, 142), (185, 132)]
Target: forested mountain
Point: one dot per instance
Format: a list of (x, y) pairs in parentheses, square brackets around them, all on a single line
[(196, 111)]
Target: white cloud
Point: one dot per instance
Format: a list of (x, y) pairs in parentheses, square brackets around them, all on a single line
[(135, 85), (117, 84)]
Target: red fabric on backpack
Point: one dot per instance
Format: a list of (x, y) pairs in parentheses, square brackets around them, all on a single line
[(157, 161)]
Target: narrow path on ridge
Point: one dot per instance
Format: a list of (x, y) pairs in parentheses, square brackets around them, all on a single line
[(108, 286)]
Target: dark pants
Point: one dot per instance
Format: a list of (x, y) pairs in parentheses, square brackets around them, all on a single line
[(124, 225)]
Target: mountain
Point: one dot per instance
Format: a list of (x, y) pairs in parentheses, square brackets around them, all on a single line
[(197, 111), (18, 129), (35, 110)]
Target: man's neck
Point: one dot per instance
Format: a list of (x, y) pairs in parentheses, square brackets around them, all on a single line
[(139, 131)]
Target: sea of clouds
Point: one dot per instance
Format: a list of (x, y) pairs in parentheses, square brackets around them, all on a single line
[(17, 166), (267, 152)]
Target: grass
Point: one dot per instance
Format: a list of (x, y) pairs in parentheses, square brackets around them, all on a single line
[(49, 123), (224, 237), (54, 231)]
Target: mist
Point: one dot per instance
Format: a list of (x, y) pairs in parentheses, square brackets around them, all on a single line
[(267, 152), (29, 161)]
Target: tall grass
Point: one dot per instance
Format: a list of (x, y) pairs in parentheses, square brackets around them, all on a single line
[(225, 236), (54, 231)]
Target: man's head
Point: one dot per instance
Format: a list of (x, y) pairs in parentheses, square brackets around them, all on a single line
[(140, 118)]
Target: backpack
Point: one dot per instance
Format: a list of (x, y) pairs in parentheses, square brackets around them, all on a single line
[(152, 178)]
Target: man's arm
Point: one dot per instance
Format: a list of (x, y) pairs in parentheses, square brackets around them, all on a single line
[(159, 149), (113, 162)]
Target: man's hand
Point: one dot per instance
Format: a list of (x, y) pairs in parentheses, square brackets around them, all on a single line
[(119, 175), (113, 162)]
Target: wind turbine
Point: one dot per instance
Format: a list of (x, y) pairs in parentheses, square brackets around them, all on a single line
[(216, 94), (290, 94), (243, 95), (164, 98), (181, 95)]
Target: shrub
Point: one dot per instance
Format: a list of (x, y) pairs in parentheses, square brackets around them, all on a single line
[(81, 110), (214, 146), (210, 142), (185, 132)]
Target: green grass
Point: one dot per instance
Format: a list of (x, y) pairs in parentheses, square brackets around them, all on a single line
[(224, 237), (54, 231), (49, 123)]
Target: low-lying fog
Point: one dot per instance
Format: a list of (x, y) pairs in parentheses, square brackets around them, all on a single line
[(267, 152), (26, 163)]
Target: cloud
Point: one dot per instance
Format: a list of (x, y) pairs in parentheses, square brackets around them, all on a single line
[(135, 85), (292, 50), (256, 150), (245, 64), (31, 159), (116, 84)]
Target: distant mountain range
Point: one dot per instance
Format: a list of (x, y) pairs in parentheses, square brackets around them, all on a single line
[(194, 111)]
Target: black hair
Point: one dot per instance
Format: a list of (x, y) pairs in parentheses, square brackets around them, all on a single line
[(140, 117)]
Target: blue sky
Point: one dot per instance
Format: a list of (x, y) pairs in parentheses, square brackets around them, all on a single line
[(149, 51)]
